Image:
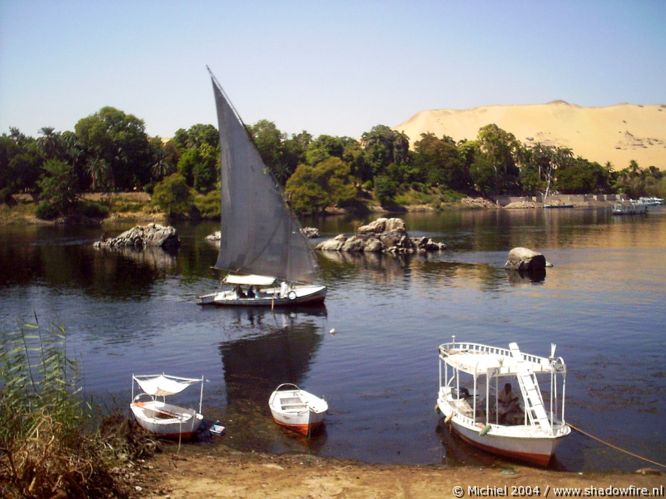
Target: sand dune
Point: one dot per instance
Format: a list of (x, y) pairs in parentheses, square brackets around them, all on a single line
[(615, 133)]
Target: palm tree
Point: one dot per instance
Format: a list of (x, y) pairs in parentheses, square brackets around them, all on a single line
[(99, 170)]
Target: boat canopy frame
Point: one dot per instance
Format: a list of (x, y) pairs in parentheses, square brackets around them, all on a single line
[(495, 362), (139, 378)]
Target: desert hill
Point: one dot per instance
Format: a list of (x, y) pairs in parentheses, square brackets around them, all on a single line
[(615, 133)]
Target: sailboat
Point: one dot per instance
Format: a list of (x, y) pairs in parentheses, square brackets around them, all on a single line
[(268, 259)]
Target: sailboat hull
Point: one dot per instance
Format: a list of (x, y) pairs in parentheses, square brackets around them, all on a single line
[(298, 295)]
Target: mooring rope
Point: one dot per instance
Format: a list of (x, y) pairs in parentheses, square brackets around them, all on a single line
[(616, 447)]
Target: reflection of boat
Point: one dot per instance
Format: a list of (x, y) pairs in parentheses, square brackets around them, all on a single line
[(260, 235), (158, 417), (630, 207), (494, 420), (297, 409)]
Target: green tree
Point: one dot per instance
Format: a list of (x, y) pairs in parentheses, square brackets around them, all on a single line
[(164, 158), (385, 189), (121, 141), (312, 188), (173, 196), (500, 150), (195, 136), (59, 186), (20, 165), (483, 172), (438, 162), (384, 146), (205, 172), (199, 167), (280, 154), (539, 166), (324, 147), (189, 158), (581, 176), (635, 182)]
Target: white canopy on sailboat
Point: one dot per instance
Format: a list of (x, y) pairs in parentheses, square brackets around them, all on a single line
[(249, 280), (164, 385)]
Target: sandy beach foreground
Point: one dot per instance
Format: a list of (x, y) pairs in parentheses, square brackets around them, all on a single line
[(221, 472)]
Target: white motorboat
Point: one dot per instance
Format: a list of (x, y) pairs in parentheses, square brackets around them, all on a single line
[(160, 418), (630, 207), (297, 409), (519, 426), (260, 236), (651, 201)]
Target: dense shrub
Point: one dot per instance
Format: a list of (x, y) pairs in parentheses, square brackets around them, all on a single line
[(92, 209), (173, 196), (208, 204), (45, 211)]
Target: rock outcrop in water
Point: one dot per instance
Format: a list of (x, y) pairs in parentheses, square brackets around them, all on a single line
[(143, 236), (310, 232), (526, 260), (384, 235)]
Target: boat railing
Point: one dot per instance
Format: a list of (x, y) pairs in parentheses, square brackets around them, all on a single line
[(446, 349)]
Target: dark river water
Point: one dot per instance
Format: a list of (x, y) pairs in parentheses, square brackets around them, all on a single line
[(603, 303)]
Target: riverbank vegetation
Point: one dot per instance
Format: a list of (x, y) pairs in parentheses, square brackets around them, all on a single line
[(49, 442), (110, 151)]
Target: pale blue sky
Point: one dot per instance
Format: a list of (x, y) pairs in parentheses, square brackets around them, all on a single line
[(335, 67)]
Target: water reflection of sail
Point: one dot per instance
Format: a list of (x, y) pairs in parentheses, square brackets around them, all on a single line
[(265, 349), (279, 350)]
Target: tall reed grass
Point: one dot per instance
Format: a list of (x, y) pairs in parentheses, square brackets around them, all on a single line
[(45, 450)]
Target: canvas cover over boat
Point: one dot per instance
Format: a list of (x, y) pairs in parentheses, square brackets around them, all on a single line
[(249, 280), (260, 233), (163, 386)]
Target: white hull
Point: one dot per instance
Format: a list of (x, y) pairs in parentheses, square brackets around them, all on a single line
[(269, 297), (166, 420), (630, 208), (520, 442), (297, 410)]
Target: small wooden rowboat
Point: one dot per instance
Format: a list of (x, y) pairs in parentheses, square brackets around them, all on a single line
[(162, 419), (297, 409)]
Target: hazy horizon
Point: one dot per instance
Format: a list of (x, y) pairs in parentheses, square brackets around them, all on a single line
[(336, 68)]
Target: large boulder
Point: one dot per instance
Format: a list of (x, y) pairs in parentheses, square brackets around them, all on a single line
[(384, 235), (334, 244), (143, 236), (355, 244), (394, 226), (525, 259)]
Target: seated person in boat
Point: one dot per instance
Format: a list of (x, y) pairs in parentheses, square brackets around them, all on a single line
[(250, 292), (509, 406), (239, 291)]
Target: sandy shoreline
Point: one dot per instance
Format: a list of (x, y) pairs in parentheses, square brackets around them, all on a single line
[(219, 471)]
